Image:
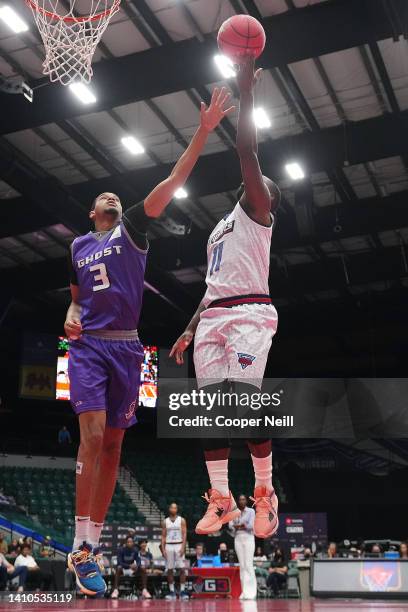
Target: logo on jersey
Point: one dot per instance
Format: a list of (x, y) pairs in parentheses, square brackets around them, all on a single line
[(227, 229), (131, 411), (245, 360), (117, 248)]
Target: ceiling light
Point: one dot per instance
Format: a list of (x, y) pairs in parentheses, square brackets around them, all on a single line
[(83, 93), (14, 21), (295, 171), (180, 193), (261, 119), (133, 145), (225, 66)]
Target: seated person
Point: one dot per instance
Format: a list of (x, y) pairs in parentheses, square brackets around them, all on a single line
[(403, 550), (332, 550), (259, 557), (223, 552), (146, 562), (3, 543), (376, 550), (39, 578), (8, 572), (199, 552), (14, 548), (128, 564), (277, 572), (46, 550)]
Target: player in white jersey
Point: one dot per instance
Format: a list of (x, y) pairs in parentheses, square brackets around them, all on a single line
[(173, 545), (236, 321)]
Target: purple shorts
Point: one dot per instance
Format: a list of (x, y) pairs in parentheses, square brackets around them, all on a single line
[(105, 375)]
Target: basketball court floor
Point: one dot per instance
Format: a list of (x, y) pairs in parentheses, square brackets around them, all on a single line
[(222, 605)]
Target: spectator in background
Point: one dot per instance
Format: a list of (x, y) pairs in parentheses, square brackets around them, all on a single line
[(146, 562), (223, 552), (14, 548), (46, 549), (376, 550), (8, 572), (128, 564), (36, 576), (332, 550), (259, 557), (277, 572), (403, 550), (64, 437), (199, 552), (3, 543)]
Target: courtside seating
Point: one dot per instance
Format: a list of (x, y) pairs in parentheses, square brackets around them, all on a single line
[(166, 479), (48, 496)]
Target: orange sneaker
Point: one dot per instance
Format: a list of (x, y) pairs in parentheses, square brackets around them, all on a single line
[(266, 508), (220, 510)]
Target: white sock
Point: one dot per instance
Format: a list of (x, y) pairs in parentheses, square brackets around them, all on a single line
[(263, 471), (218, 473), (94, 534), (81, 531), (171, 587)]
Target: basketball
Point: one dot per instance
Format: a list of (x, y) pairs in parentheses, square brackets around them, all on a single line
[(241, 36)]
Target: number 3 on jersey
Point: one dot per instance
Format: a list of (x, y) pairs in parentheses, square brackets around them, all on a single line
[(216, 259), (102, 276)]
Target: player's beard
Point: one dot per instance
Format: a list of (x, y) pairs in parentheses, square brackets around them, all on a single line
[(112, 211)]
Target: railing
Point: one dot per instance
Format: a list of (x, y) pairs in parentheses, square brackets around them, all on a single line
[(141, 496)]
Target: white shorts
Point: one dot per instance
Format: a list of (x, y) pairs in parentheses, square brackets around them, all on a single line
[(233, 343), (173, 558)]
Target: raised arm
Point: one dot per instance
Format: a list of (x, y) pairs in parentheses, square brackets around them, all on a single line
[(210, 117), (184, 341), (258, 199)]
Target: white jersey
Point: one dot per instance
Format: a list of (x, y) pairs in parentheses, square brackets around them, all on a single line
[(173, 531), (238, 254)]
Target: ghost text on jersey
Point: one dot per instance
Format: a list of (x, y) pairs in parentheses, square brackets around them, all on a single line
[(114, 250)]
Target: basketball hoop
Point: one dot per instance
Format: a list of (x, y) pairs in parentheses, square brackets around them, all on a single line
[(70, 38)]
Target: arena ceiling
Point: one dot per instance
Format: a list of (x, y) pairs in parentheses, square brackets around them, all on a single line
[(335, 86)]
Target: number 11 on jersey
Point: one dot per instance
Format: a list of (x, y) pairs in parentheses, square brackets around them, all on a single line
[(216, 258)]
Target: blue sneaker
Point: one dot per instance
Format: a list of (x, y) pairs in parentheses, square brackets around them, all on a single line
[(87, 572), (98, 557)]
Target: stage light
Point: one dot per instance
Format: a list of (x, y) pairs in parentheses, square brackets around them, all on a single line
[(14, 21), (261, 119), (133, 145), (295, 171), (225, 66), (83, 93), (180, 193)]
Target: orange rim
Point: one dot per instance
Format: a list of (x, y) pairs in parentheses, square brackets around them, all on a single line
[(69, 19)]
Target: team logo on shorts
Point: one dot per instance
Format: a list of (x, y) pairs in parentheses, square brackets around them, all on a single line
[(131, 411), (245, 360)]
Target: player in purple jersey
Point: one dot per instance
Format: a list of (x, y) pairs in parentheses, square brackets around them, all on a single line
[(107, 269)]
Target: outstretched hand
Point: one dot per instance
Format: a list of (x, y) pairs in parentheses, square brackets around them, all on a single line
[(213, 114), (247, 76)]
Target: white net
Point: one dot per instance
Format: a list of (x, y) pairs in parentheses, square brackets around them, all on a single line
[(71, 31)]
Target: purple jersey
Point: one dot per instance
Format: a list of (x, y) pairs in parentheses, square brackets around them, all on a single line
[(110, 270)]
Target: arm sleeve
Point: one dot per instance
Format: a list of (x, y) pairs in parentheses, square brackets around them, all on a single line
[(73, 278), (136, 223)]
